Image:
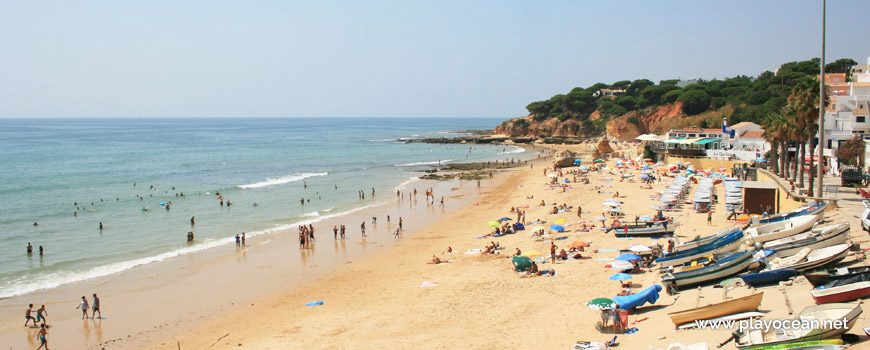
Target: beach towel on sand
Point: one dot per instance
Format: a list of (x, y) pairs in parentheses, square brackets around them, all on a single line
[(315, 303)]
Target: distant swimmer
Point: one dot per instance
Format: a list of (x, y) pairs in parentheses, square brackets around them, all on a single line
[(29, 248), (336, 187), (302, 200), (40, 251), (193, 220), (304, 184), (255, 204), (35, 223)]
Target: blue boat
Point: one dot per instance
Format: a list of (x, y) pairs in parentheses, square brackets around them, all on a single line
[(808, 210), (768, 277), (725, 264), (727, 243)]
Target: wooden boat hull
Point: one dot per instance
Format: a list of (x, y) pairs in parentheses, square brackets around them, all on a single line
[(640, 230), (836, 256), (705, 240), (733, 306), (838, 234), (781, 229), (822, 277), (814, 209), (754, 339), (841, 294), (728, 243), (731, 265), (768, 277)]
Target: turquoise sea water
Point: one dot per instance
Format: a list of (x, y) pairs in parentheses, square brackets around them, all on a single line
[(50, 164)]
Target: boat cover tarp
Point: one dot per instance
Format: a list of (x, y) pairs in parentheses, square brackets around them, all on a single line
[(649, 295), (849, 280)]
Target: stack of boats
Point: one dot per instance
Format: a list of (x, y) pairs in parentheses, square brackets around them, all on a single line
[(733, 195)]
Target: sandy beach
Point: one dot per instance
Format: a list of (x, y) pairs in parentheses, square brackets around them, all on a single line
[(376, 299), (479, 302)]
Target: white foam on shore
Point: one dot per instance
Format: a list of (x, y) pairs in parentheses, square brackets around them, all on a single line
[(311, 214), (382, 140), (402, 185), (426, 163), (272, 181), (29, 284), (512, 151)]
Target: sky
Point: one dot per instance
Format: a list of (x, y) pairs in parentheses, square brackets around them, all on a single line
[(264, 58)]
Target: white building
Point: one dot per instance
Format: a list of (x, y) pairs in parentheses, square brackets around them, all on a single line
[(847, 114)]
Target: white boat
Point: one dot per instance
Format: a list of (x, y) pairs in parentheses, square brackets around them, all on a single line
[(807, 258), (824, 315), (816, 238), (695, 243), (780, 229)]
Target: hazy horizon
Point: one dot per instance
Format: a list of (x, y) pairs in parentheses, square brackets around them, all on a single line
[(488, 59)]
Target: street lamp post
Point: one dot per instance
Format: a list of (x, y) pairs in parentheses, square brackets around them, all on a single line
[(821, 168)]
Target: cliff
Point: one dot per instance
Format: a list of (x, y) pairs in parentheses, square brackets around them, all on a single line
[(623, 128)]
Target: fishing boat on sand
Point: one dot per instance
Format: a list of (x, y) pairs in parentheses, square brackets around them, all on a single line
[(699, 241), (807, 258), (805, 210), (841, 294), (780, 229), (722, 265), (816, 238), (824, 320), (727, 243), (733, 306), (768, 276), (823, 277)]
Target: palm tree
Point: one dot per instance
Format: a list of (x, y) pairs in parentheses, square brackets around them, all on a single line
[(774, 129), (805, 101)]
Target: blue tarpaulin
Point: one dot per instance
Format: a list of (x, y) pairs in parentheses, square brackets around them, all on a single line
[(649, 295)]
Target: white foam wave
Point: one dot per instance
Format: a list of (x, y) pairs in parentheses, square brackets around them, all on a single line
[(513, 150), (402, 185), (30, 284), (426, 163), (272, 181), (311, 214), (382, 140), (328, 209)]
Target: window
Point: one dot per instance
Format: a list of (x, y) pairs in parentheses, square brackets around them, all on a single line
[(836, 80), (691, 135), (829, 143), (681, 135), (859, 119)]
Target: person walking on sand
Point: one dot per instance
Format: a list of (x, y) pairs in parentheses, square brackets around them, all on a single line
[(335, 232), (243, 242), (96, 307), (84, 306), (42, 337), (579, 212), (342, 230), (362, 228), (397, 233), (553, 248), (238, 241), (41, 313), (28, 316), (709, 218), (400, 223)]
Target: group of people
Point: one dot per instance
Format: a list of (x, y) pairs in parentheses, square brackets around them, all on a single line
[(40, 320), (30, 250)]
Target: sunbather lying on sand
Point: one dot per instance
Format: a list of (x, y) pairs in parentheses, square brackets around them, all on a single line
[(548, 273), (436, 260)]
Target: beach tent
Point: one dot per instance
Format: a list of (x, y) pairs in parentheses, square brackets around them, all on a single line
[(522, 263), (649, 295)]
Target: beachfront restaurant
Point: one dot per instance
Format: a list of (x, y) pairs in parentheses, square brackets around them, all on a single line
[(692, 147)]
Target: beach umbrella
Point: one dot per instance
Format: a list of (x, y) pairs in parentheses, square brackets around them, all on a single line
[(599, 160), (601, 218), (505, 219), (583, 167), (627, 257), (644, 176), (531, 253), (627, 175), (611, 204), (567, 181), (621, 265), (522, 263), (557, 228), (645, 218), (493, 224), (615, 210), (560, 221), (640, 248), (537, 228), (599, 303), (578, 244), (612, 200), (553, 175), (620, 277)]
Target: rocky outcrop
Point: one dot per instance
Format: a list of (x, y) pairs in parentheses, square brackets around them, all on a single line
[(564, 158), (623, 128)]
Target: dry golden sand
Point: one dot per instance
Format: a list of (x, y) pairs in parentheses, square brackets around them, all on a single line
[(479, 302)]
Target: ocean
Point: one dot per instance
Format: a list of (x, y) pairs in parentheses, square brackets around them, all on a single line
[(70, 175)]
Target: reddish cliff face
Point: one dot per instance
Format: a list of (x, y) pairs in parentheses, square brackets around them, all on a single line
[(626, 127)]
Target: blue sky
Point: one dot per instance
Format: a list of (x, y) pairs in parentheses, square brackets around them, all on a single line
[(384, 58)]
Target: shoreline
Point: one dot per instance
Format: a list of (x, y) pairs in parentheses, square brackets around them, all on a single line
[(145, 289)]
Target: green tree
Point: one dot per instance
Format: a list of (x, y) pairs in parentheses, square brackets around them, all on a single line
[(843, 65), (654, 93), (620, 85), (627, 102), (694, 101), (852, 151), (671, 96), (637, 86)]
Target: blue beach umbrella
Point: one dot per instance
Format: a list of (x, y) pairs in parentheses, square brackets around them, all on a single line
[(627, 257), (644, 176), (557, 228), (620, 277), (505, 219)]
